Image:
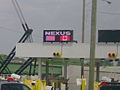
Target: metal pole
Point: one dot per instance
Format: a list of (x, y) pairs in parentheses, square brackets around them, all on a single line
[(83, 21), (82, 67), (83, 30), (82, 71), (47, 70), (92, 45), (65, 69), (40, 68), (97, 71), (65, 72)]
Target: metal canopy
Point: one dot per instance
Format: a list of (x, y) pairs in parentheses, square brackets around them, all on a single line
[(75, 50)]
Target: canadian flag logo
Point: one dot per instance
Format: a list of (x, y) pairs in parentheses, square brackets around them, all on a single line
[(64, 38)]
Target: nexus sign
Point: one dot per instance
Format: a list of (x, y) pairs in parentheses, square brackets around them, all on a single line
[(58, 36)]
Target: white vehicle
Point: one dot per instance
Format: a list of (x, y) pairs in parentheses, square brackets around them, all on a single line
[(12, 85)]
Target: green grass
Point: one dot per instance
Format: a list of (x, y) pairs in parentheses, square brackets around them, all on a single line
[(55, 65), (62, 62), (52, 69)]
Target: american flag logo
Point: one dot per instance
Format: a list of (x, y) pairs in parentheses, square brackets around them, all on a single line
[(50, 38), (64, 38)]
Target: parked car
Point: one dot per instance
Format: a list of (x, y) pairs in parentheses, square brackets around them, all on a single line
[(12, 85), (110, 86)]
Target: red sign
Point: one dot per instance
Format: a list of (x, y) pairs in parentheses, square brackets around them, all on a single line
[(64, 38)]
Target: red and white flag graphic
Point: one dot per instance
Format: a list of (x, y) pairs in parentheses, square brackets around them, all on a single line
[(64, 38)]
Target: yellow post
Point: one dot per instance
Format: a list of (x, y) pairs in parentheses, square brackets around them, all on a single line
[(96, 86), (53, 84), (43, 84), (38, 85), (83, 84)]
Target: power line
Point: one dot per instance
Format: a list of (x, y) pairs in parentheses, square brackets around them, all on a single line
[(105, 12), (16, 9), (109, 2), (110, 13), (8, 29), (22, 16), (22, 19)]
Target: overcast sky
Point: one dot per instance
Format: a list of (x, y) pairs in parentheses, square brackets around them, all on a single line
[(53, 14)]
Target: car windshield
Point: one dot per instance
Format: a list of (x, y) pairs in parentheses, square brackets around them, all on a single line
[(14, 86)]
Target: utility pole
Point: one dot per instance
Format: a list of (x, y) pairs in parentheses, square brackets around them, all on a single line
[(83, 30), (83, 21), (92, 45)]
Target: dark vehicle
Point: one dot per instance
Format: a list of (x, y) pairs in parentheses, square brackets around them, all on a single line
[(111, 86), (12, 85)]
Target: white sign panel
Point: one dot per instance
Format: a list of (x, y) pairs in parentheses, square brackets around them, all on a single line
[(76, 50)]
